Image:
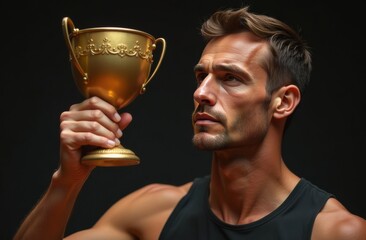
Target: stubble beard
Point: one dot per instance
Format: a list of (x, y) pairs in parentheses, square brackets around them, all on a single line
[(205, 141)]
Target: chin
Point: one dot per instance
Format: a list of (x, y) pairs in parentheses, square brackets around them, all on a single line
[(204, 141)]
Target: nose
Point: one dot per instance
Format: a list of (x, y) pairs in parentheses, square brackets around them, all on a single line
[(205, 92)]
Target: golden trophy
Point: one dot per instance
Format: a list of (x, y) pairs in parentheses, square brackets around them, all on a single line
[(114, 64)]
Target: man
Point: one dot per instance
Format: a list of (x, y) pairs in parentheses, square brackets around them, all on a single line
[(250, 78)]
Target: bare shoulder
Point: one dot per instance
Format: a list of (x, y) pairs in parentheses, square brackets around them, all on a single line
[(157, 196), (143, 213), (162, 190), (336, 222)]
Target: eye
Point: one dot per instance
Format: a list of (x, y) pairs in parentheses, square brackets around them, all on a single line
[(231, 79)]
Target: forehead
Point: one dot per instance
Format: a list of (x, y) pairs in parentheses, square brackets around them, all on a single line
[(239, 48)]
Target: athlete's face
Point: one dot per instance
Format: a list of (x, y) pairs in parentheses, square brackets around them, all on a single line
[(231, 102)]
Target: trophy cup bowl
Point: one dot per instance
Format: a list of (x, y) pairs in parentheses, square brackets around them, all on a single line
[(114, 64)]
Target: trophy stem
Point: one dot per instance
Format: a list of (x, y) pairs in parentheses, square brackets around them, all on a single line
[(117, 156)]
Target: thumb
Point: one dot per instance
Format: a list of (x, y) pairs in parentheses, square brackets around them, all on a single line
[(126, 119)]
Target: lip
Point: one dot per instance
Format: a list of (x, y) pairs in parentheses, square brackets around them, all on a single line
[(203, 117)]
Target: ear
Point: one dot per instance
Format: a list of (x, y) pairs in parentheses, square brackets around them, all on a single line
[(285, 101)]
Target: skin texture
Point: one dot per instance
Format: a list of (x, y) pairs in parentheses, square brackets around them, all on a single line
[(233, 116)]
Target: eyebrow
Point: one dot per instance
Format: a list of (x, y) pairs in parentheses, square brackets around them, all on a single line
[(225, 68)]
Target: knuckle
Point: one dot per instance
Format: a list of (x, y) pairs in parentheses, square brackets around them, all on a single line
[(94, 126), (64, 136), (88, 137), (74, 107), (63, 125), (63, 116), (93, 101), (97, 114)]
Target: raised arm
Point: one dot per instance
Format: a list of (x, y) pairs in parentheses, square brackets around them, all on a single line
[(92, 122)]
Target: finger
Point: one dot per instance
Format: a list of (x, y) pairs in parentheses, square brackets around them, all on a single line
[(75, 140), (89, 126), (97, 103), (90, 120)]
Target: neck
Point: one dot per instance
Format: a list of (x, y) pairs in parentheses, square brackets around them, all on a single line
[(247, 184)]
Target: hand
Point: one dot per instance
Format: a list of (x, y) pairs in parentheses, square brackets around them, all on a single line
[(91, 122)]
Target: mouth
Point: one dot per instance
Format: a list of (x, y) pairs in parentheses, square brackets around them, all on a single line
[(204, 118)]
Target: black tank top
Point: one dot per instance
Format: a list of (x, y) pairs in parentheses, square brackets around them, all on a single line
[(192, 219)]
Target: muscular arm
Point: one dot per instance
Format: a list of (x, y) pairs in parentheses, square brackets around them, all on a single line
[(92, 122), (140, 215), (49, 218)]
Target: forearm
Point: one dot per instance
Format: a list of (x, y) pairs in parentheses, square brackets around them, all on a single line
[(49, 218)]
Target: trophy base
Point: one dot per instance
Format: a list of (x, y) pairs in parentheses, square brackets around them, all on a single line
[(110, 157)]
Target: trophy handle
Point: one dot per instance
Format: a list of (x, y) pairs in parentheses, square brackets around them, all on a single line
[(66, 24), (163, 42)]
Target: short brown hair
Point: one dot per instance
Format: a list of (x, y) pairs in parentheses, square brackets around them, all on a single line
[(290, 58)]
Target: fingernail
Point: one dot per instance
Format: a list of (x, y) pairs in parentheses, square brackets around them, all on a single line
[(117, 142), (117, 117), (111, 143), (119, 133)]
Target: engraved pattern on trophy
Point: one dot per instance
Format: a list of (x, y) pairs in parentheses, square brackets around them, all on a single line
[(121, 50)]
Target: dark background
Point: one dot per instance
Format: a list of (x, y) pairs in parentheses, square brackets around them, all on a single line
[(326, 144)]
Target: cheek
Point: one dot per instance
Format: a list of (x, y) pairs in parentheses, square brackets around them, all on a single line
[(248, 122), (248, 107)]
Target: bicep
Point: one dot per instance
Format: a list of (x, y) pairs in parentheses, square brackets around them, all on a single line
[(135, 215), (100, 233), (112, 225)]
